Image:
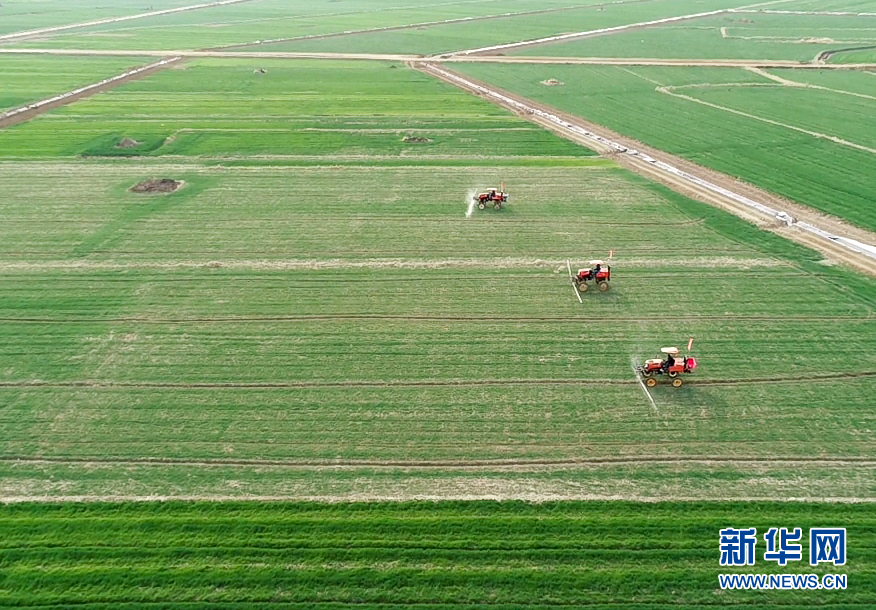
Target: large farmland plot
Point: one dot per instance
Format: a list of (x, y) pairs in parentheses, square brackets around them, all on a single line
[(436, 26), (303, 377), (247, 108), (788, 33), (29, 79), (307, 329), (810, 144)]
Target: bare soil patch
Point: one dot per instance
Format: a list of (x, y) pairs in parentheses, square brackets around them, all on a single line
[(552, 82), (415, 139), (128, 143), (159, 185)]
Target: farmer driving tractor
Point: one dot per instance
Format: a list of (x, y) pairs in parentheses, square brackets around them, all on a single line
[(670, 360), (586, 274)]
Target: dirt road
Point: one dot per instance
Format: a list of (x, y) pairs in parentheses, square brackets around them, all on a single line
[(25, 113), (401, 57)]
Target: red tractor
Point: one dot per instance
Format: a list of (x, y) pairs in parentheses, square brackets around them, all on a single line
[(492, 196), (597, 272), (672, 367)]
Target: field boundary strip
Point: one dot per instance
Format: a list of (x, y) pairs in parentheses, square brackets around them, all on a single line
[(18, 36), (402, 57), (815, 13), (399, 263), (477, 464)]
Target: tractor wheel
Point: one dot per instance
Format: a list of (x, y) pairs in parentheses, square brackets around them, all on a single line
[(583, 286), (481, 205), (497, 206), (676, 383), (603, 286), (650, 382), (672, 374), (645, 373)]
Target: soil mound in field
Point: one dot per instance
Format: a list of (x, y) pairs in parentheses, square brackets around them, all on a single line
[(415, 139), (552, 82), (128, 143), (163, 185)]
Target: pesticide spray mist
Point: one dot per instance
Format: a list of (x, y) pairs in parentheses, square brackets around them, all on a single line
[(634, 362), (469, 198)]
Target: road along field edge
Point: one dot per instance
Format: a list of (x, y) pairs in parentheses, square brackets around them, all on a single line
[(831, 236), (764, 64), (25, 113), (28, 34)]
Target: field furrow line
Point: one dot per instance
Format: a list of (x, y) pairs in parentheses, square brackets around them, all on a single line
[(473, 464), (207, 385), (428, 318)]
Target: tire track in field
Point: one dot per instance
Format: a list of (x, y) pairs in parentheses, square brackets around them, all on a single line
[(654, 259), (429, 318), (425, 383), (317, 464)]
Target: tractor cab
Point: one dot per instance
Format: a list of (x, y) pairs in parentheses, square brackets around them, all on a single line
[(672, 364), (601, 270)]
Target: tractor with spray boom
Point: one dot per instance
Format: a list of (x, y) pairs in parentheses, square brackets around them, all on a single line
[(598, 272), (672, 366), (492, 196)]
